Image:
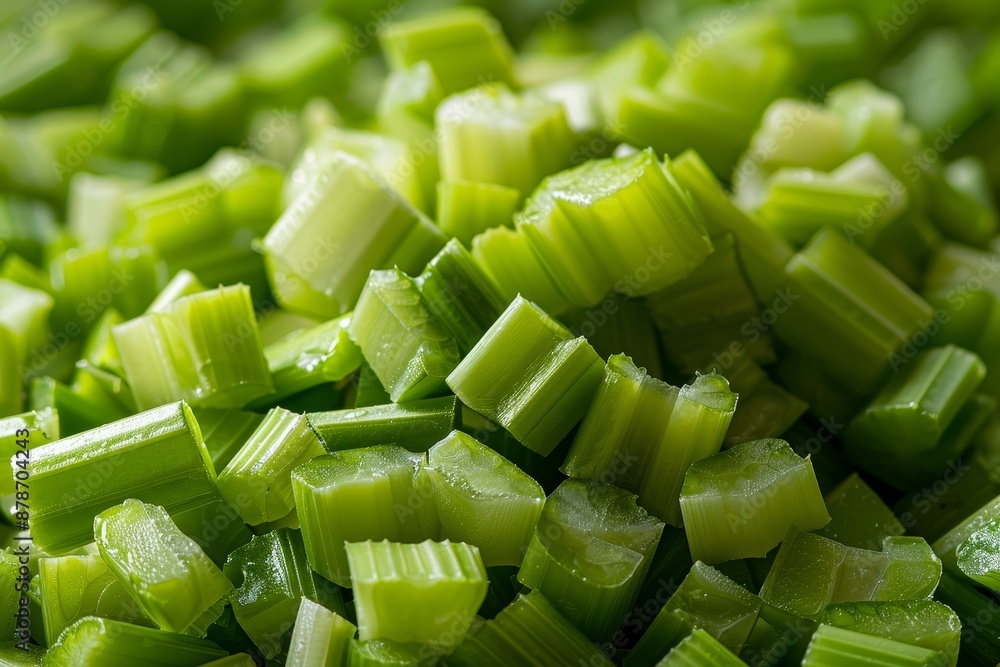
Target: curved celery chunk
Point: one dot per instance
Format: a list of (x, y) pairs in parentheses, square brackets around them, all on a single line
[(385, 653), (415, 425), (155, 456), (741, 502), (101, 642), (205, 348), (360, 494), (979, 555), (700, 648), (73, 587), (467, 208), (483, 499), (835, 646), (590, 551), (425, 593), (321, 249), (168, 574), (530, 376), (272, 577), (925, 623), (858, 517), (257, 481), (407, 346), (305, 359), (321, 637)]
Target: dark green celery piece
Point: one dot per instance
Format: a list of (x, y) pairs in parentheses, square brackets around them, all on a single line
[(812, 571), (415, 425), (589, 553), (483, 499), (700, 648), (76, 413), (361, 494), (924, 623), (979, 555), (407, 345), (502, 590), (461, 295), (236, 660), (740, 503), (980, 622), (530, 632), (101, 642), (959, 215), (948, 544), (155, 456), (316, 356), (369, 391), (321, 249), (858, 517), (385, 653), (467, 208), (42, 427), (930, 515), (175, 583), (836, 646), (19, 270), (261, 472), (530, 376), (27, 227), (805, 377), (425, 593), (706, 599), (225, 432), (620, 326), (272, 577), (215, 526), (321, 637), (11, 380), (73, 587)]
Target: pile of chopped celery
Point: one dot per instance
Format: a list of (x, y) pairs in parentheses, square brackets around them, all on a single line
[(526, 333)]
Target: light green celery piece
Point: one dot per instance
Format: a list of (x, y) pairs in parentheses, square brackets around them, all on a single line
[(406, 105), (959, 214), (28, 228), (73, 587), (699, 419), (11, 378), (847, 311), (697, 649), (589, 554), (95, 207), (408, 346), (11, 596), (175, 583), (19, 270), (507, 256), (347, 223), (386, 653), (215, 526), (916, 406), (858, 517), (103, 389), (706, 599), (31, 656), (23, 432), (321, 637), (278, 323), (272, 577), (101, 642), (467, 208), (24, 312), (225, 432), (100, 349), (461, 295), (483, 499), (78, 412), (464, 47), (923, 623), (155, 456), (530, 376), (491, 135), (638, 60), (205, 349), (832, 646), (370, 392), (261, 470), (741, 502), (621, 224), (373, 493), (415, 425), (978, 557), (425, 593), (183, 284)]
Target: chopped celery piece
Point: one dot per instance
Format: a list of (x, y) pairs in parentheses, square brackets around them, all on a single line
[(589, 553), (741, 502), (425, 593), (27, 227), (461, 295), (205, 349), (700, 648), (977, 613), (924, 623), (957, 213), (95, 208), (225, 432), (491, 135), (11, 625), (11, 380), (858, 517), (321, 249), (101, 642), (30, 656), (467, 208), (258, 479), (530, 631), (464, 47), (155, 456), (530, 376), (765, 409), (408, 347), (360, 494), (73, 587), (305, 359), (624, 327), (215, 526), (832, 646), (42, 427), (507, 256), (812, 571), (415, 425), (24, 312), (639, 59), (321, 637), (543, 469), (979, 555), (483, 499), (77, 412), (183, 284), (19, 270), (385, 653), (272, 577), (100, 349), (168, 574)]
